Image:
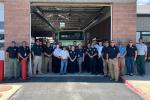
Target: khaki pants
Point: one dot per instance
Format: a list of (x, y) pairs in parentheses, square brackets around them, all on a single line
[(114, 69), (37, 64), (43, 63), (122, 66), (105, 69), (48, 65), (13, 68), (80, 60)]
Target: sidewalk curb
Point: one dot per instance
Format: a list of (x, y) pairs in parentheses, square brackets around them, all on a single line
[(134, 89), (8, 94)]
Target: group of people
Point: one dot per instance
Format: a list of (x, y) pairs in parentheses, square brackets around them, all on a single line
[(99, 57)]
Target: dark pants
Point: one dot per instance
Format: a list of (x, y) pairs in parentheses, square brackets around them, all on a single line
[(86, 64), (73, 66), (57, 64), (130, 64), (92, 64), (141, 65), (100, 65)]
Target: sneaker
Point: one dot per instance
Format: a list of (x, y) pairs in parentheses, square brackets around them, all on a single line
[(131, 74)]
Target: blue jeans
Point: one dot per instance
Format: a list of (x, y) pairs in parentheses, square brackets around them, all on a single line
[(130, 64), (63, 69)]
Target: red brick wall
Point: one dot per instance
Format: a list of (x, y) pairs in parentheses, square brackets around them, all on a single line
[(17, 21), (124, 21)]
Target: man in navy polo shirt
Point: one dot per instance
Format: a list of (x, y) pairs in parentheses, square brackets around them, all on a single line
[(92, 53), (48, 58), (37, 51), (113, 55), (12, 56), (24, 53)]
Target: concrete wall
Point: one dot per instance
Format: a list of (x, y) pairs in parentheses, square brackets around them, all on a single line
[(87, 1), (143, 23)]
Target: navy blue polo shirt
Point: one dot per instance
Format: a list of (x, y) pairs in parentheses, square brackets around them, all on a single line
[(72, 54), (49, 50), (80, 52), (85, 49), (13, 52), (130, 51), (24, 51), (105, 51), (37, 49), (44, 47), (92, 51), (113, 51)]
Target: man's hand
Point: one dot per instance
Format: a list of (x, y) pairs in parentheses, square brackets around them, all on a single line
[(145, 57), (134, 59), (6, 59), (106, 60), (91, 56)]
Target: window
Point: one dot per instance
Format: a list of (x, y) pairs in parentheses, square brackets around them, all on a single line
[(146, 38), (1, 25), (71, 35), (138, 34)]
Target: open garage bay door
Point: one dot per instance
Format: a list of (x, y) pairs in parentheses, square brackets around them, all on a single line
[(94, 20)]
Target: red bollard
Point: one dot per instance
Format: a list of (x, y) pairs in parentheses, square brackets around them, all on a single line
[(24, 69), (1, 70), (119, 69)]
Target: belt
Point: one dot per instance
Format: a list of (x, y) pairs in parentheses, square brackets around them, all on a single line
[(141, 55), (38, 55)]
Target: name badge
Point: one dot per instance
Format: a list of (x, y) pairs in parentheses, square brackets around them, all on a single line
[(25, 54)]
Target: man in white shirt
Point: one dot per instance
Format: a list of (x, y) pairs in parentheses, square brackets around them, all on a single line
[(57, 59), (100, 60), (64, 55), (142, 56)]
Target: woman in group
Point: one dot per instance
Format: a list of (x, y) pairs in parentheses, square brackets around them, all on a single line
[(64, 54), (80, 57), (73, 58)]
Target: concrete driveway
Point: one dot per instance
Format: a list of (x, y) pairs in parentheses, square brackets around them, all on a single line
[(72, 88)]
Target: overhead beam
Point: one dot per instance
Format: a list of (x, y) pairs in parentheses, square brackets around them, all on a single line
[(44, 19), (68, 11), (91, 22), (73, 5)]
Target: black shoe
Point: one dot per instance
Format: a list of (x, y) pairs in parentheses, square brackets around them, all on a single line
[(61, 73)]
